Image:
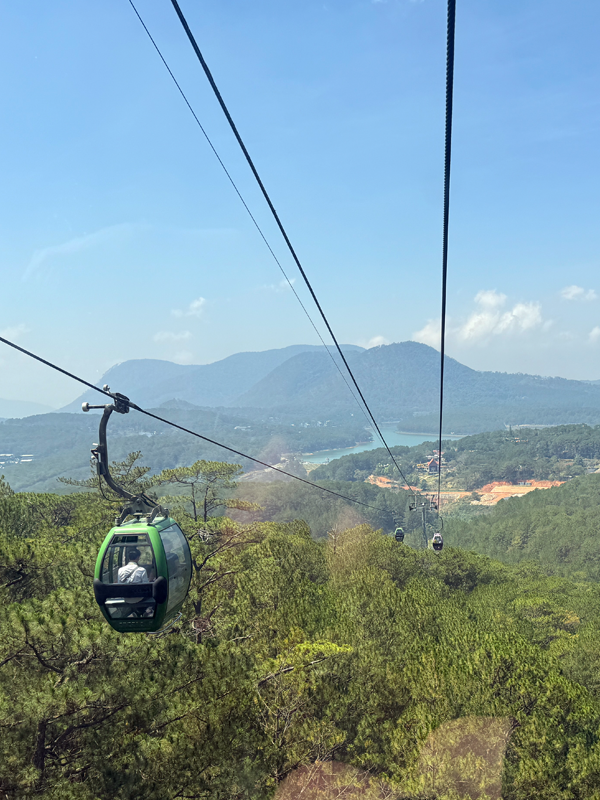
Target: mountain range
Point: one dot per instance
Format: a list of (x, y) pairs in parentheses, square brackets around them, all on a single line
[(291, 400), (400, 382), (152, 382)]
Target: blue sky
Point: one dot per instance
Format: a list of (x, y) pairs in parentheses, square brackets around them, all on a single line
[(122, 238)]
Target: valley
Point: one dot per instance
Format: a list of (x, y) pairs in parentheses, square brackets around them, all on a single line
[(292, 401)]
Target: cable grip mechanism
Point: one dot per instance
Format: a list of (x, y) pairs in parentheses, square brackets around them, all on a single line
[(138, 505)]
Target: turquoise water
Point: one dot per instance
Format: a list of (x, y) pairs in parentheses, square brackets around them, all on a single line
[(391, 435)]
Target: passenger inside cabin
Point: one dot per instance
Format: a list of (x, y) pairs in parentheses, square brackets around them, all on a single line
[(132, 572), (132, 607)]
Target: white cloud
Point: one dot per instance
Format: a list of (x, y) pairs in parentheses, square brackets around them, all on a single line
[(479, 325), (170, 336), (194, 309), (375, 341), (594, 334), (486, 320), (578, 293), (283, 285), (76, 245), (490, 298), (429, 334), (490, 320), (523, 317), (15, 332), (571, 292)]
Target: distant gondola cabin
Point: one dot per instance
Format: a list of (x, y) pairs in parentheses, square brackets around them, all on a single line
[(143, 574)]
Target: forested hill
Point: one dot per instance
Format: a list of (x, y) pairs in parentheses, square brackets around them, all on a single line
[(400, 382), (557, 528), (152, 382), (555, 453), (357, 651), (59, 444)]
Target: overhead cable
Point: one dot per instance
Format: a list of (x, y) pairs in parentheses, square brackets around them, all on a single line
[(261, 185), (182, 428), (447, 156), (243, 201)]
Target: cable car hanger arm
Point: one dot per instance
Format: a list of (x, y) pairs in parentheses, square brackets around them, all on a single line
[(139, 504)]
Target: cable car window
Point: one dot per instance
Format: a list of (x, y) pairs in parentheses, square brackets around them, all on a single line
[(110, 565), (122, 558), (131, 607), (177, 554), (130, 538), (129, 559)]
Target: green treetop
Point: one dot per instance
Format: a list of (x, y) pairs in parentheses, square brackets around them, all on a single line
[(207, 484)]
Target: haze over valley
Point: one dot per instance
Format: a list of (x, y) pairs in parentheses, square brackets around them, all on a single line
[(280, 402)]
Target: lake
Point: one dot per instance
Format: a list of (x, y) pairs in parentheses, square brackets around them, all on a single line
[(392, 437)]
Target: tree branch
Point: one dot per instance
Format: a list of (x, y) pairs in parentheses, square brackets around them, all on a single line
[(41, 659), (290, 669)]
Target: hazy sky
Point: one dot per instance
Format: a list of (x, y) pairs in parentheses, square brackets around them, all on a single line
[(121, 237)]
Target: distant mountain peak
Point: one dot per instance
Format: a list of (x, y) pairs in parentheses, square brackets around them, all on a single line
[(152, 382), (400, 381), (182, 405)]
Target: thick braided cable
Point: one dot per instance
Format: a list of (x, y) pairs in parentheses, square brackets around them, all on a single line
[(448, 154)]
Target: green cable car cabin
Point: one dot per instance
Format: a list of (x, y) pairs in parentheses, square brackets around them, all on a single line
[(144, 567), (143, 574)]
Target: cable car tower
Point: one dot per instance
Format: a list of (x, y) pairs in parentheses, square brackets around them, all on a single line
[(424, 504)]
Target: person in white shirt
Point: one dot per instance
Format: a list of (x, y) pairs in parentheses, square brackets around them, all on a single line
[(132, 572)]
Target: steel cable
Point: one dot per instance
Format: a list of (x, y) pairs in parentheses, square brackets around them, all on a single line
[(282, 230), (243, 201), (447, 157), (182, 428)]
